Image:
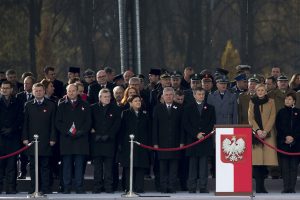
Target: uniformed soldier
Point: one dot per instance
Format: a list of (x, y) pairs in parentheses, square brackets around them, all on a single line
[(195, 83), (106, 121), (243, 100), (10, 127), (241, 84), (39, 116), (225, 103), (167, 133)]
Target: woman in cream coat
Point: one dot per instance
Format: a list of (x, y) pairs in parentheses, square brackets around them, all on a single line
[(261, 116)]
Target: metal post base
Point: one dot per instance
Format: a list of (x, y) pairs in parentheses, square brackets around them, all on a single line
[(37, 195), (130, 195)]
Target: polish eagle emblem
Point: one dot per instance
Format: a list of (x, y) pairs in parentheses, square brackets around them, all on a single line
[(233, 148)]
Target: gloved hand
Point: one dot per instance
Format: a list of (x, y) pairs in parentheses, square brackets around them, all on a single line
[(5, 131), (104, 138)]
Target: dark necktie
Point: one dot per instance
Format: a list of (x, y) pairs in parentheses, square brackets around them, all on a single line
[(222, 95), (199, 107), (28, 96), (39, 102)]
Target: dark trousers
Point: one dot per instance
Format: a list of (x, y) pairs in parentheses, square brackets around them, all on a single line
[(44, 173), (198, 167), (289, 170), (78, 162), (259, 173), (8, 170), (168, 174), (23, 163), (138, 179), (103, 174), (183, 170)]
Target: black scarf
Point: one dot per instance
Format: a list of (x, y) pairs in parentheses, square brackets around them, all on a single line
[(257, 114)]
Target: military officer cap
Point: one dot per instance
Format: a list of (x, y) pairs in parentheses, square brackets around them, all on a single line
[(196, 77), (154, 71), (207, 78), (176, 74), (253, 79), (282, 78), (74, 69), (205, 71), (165, 75), (221, 71), (243, 67), (241, 77), (222, 79), (88, 73)]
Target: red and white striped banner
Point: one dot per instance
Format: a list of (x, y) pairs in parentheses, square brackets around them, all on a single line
[(233, 161)]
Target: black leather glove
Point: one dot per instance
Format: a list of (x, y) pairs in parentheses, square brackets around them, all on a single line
[(97, 137), (104, 138), (6, 131)]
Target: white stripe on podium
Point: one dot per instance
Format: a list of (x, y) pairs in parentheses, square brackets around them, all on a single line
[(224, 171)]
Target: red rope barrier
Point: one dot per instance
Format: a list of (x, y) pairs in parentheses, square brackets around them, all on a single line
[(16, 152), (276, 149), (176, 148)]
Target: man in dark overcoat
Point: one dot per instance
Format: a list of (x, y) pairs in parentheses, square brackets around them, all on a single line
[(73, 121), (39, 119), (198, 121), (167, 133), (23, 97), (10, 136), (106, 121), (102, 82)]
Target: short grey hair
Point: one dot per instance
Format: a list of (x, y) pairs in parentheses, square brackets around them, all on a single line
[(104, 90), (134, 80), (118, 88), (168, 89)]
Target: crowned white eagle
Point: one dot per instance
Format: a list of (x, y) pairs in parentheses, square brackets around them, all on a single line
[(233, 148)]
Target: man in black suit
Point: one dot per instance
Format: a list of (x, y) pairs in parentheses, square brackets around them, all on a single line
[(73, 121), (11, 75), (39, 116), (23, 97), (106, 121), (10, 127), (93, 90), (198, 121), (167, 133), (50, 75)]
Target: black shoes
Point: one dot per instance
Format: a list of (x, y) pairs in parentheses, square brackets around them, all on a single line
[(67, 191), (22, 176), (203, 190), (80, 191)]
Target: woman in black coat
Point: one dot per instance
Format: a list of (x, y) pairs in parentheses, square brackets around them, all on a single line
[(135, 121), (288, 132)]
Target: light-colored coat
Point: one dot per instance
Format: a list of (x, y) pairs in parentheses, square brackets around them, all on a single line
[(261, 154), (226, 108)]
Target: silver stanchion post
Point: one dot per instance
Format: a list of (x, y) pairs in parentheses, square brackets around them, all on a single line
[(130, 193), (36, 193)]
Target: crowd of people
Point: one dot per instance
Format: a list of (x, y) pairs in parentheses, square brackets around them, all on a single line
[(92, 115)]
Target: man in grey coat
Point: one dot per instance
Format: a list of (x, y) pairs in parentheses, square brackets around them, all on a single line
[(225, 103)]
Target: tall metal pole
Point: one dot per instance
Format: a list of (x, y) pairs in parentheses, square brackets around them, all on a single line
[(122, 28), (138, 37), (130, 193), (36, 193)]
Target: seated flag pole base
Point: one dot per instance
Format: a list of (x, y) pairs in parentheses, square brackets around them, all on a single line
[(37, 195), (130, 195)]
